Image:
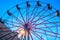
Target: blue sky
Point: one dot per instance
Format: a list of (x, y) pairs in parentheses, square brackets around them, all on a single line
[(7, 4)]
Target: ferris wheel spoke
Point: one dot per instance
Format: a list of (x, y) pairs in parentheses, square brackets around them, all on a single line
[(28, 37), (27, 11), (35, 8), (43, 17), (35, 35), (19, 10), (49, 8), (27, 14), (12, 24), (18, 19), (49, 27), (46, 31), (22, 17), (38, 36), (10, 14), (34, 25), (32, 12), (31, 36), (48, 34), (56, 30), (38, 14), (48, 23), (40, 17), (18, 30), (46, 20), (49, 18)]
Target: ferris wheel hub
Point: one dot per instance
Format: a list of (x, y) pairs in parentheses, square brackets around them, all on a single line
[(26, 27)]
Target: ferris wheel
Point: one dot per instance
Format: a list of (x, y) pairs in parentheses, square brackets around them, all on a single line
[(33, 20)]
